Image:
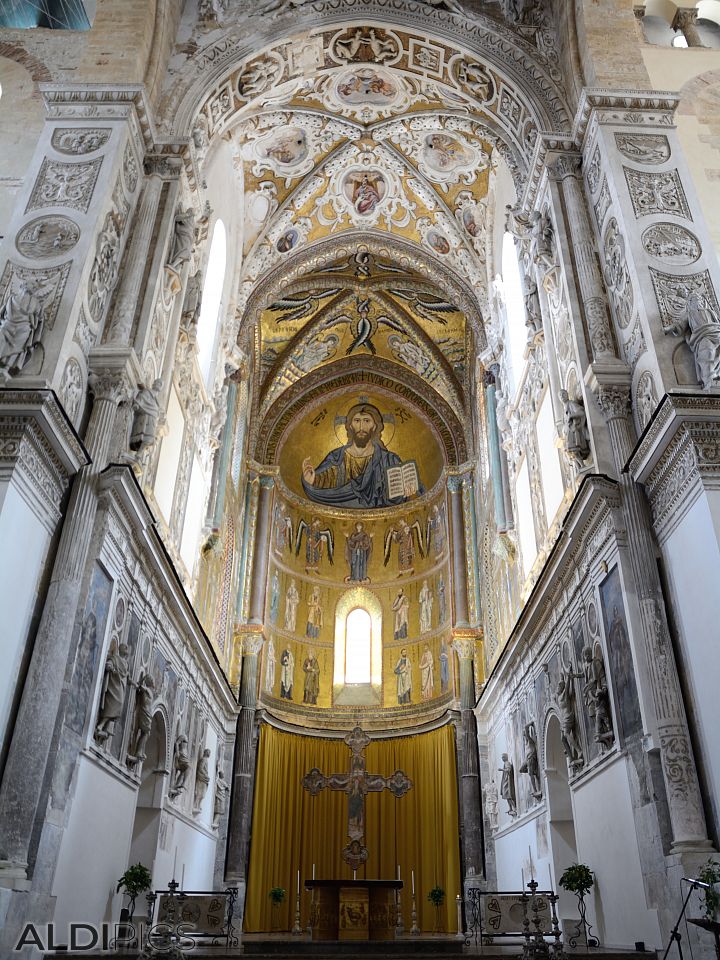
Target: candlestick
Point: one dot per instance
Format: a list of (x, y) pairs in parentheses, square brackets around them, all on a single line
[(414, 929), (460, 935)]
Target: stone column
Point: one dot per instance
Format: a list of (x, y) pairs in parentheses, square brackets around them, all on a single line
[(23, 795), (459, 567), (472, 832), (243, 780), (687, 817), (686, 20), (261, 551)]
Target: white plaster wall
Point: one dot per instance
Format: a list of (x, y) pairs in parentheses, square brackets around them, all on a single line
[(513, 853), (94, 847), (692, 559), (195, 857), (21, 120), (607, 843), (23, 544)]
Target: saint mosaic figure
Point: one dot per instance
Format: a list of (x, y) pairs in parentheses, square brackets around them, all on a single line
[(311, 669), (427, 674), (358, 548), (442, 601), (401, 609), (292, 600), (274, 597), (403, 672), (444, 659), (425, 599), (287, 669), (315, 540), (315, 614), (112, 698), (269, 667), (282, 529), (436, 531), (356, 474), (507, 784)]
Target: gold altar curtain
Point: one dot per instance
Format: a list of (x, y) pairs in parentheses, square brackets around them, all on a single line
[(292, 830)]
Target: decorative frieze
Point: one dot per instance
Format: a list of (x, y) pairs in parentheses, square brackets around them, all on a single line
[(672, 243), (656, 193), (64, 185), (79, 140), (47, 237), (647, 148)]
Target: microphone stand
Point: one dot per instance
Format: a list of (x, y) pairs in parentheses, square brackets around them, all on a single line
[(675, 936)]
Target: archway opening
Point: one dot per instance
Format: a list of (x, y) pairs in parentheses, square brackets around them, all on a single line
[(561, 824), (148, 808)]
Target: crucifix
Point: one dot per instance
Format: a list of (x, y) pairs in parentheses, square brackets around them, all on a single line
[(356, 783)]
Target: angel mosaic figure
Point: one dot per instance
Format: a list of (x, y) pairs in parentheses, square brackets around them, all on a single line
[(315, 539), (404, 535)]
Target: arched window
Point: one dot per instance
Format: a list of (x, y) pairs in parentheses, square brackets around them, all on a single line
[(211, 299), (514, 308), (358, 635)]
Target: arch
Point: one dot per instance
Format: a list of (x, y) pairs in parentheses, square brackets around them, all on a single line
[(561, 823), (346, 693), (151, 798)]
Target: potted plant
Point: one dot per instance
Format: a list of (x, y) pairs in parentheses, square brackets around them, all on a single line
[(277, 896), (437, 898), (134, 881), (710, 873), (579, 879)]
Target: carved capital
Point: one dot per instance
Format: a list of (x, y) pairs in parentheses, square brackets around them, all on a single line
[(565, 165), (161, 165), (613, 400), (111, 385)]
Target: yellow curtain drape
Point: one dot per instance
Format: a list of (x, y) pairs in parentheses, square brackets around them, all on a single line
[(291, 830)]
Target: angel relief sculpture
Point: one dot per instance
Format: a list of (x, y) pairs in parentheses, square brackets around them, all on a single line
[(405, 535)]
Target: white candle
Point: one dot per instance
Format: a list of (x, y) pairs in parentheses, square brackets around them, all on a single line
[(313, 871), (398, 866), (174, 863), (354, 874), (298, 883), (412, 878), (182, 880), (550, 879), (531, 864), (522, 876)]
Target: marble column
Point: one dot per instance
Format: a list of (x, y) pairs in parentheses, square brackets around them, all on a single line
[(686, 20), (23, 795), (472, 831), (459, 568), (243, 780), (261, 551), (687, 817)]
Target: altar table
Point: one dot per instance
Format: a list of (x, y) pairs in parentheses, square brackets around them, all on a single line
[(353, 909)]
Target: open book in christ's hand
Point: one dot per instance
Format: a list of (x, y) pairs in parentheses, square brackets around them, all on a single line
[(403, 480)]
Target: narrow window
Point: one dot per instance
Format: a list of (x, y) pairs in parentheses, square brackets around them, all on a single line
[(358, 629)]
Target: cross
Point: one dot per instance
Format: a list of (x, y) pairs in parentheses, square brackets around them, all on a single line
[(356, 783)]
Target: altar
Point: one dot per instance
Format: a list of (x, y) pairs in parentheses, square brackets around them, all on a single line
[(353, 909)]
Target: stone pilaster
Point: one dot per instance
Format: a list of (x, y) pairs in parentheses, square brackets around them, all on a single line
[(673, 739), (240, 820), (472, 830), (459, 567)]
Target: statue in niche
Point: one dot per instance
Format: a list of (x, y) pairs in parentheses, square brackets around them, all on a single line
[(404, 535), (358, 548), (576, 435), (425, 599), (292, 600), (274, 597), (311, 669), (183, 238), (403, 672), (315, 540), (507, 784), (221, 798), (427, 674), (202, 779), (533, 314), (565, 698), (315, 614), (490, 791), (698, 321), (146, 410), (361, 473), (401, 609), (22, 317), (543, 239), (112, 697), (142, 720), (530, 764), (181, 766), (444, 666), (287, 671), (597, 697)]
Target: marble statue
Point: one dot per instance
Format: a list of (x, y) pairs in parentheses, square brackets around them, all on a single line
[(22, 317), (192, 303), (146, 409), (181, 766), (112, 698), (577, 438), (531, 765), (183, 238), (533, 312), (222, 789), (597, 697), (142, 720), (543, 238), (202, 779), (507, 784), (698, 321), (490, 792), (565, 697)]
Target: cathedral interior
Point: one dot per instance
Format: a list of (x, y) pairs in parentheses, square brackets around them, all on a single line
[(360, 460)]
